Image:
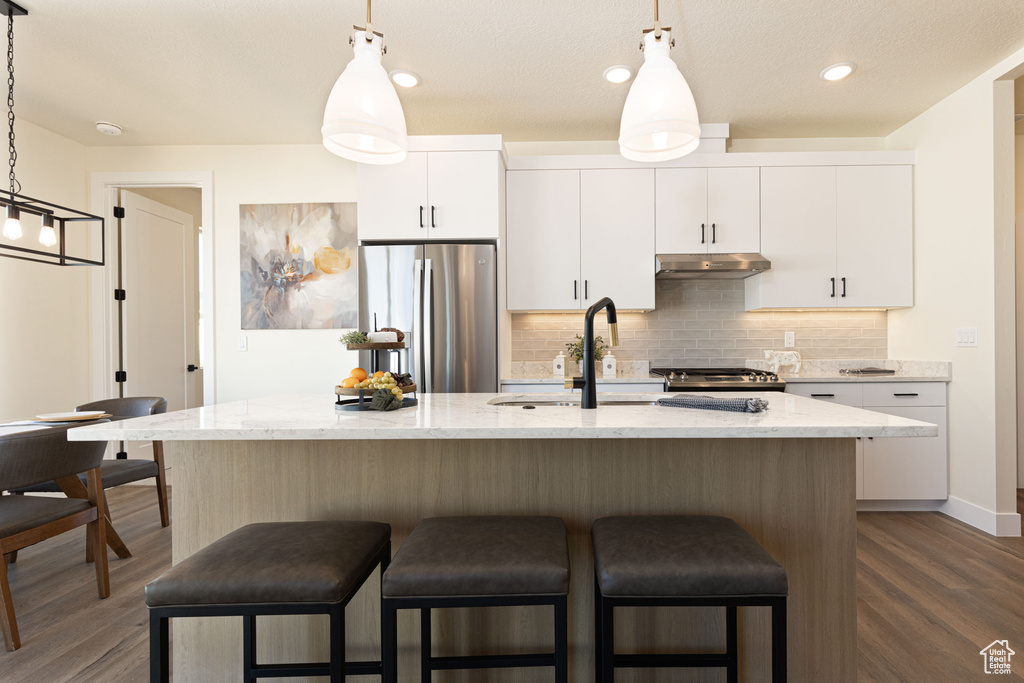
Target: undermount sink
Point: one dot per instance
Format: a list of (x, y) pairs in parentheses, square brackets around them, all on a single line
[(569, 404)]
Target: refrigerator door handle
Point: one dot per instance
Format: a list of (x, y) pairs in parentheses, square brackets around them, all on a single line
[(428, 327), (416, 343)]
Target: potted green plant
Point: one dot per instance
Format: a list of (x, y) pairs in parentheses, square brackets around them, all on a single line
[(575, 349)]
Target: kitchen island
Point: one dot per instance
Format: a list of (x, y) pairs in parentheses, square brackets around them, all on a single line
[(786, 476)]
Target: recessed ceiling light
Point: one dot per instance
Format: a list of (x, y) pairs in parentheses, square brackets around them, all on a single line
[(618, 74), (838, 72), (406, 79), (108, 128)]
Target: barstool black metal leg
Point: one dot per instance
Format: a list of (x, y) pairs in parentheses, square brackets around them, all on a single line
[(607, 666), (159, 649), (389, 643), (779, 641), (425, 670), (732, 668), (249, 647), (561, 640), (337, 615), (598, 630)]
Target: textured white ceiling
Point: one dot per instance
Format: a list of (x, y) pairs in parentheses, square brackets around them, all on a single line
[(255, 71)]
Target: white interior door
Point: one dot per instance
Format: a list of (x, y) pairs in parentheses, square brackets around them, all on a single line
[(158, 267)]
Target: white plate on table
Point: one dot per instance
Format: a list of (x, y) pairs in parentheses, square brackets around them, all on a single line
[(73, 417)]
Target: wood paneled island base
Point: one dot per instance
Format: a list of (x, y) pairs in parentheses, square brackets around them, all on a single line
[(795, 496)]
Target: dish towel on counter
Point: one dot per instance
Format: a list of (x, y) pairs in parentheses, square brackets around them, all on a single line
[(736, 405)]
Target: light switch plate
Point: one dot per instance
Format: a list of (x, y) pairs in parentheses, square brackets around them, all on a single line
[(243, 343), (790, 341), (966, 336)]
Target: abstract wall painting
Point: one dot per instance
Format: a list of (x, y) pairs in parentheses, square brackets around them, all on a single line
[(298, 266)]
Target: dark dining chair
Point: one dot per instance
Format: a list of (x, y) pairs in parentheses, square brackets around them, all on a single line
[(28, 458), (123, 471)]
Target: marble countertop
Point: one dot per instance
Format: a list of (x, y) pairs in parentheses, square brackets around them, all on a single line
[(475, 416), (600, 380), (822, 371)]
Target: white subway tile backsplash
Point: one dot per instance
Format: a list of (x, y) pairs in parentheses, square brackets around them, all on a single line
[(702, 323)]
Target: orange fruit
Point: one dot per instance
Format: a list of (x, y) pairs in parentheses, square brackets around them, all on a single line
[(350, 382), (359, 374), (379, 373)]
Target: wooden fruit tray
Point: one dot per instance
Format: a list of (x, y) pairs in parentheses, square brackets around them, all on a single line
[(346, 391), (376, 346)]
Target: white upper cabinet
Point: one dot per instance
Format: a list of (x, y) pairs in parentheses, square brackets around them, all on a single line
[(617, 230), (543, 240), (681, 213), (734, 210), (837, 237), (432, 196), (875, 236), (393, 199), (576, 236), (708, 210), (798, 236)]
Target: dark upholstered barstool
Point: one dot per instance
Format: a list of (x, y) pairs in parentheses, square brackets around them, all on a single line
[(478, 562), (666, 561), (273, 568)]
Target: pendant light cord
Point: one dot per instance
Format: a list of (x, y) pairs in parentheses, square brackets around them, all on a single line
[(15, 185)]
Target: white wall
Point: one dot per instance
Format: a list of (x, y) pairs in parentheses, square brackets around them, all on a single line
[(278, 361), (963, 270), (1019, 231), (44, 309)]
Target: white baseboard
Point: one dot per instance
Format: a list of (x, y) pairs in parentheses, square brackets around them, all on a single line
[(899, 505), (994, 523)]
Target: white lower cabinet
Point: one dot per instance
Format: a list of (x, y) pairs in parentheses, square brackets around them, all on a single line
[(894, 468)]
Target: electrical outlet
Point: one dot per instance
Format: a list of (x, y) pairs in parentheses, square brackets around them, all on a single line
[(243, 343), (966, 336), (790, 340)]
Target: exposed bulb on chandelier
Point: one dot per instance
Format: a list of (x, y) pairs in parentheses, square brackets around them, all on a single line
[(47, 237), (12, 226)]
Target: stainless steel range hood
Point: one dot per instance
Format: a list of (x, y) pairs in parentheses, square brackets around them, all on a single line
[(710, 266)]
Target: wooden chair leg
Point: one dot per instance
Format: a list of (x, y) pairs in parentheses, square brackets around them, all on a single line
[(98, 530), (11, 557), (8, 624), (161, 483)]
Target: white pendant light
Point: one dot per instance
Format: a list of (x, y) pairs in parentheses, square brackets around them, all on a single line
[(364, 120), (659, 119)]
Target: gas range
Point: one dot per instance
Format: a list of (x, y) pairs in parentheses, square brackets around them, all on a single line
[(719, 379)]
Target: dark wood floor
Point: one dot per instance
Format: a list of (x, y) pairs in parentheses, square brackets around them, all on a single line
[(931, 593)]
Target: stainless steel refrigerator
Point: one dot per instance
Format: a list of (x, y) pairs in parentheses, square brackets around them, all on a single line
[(444, 298)]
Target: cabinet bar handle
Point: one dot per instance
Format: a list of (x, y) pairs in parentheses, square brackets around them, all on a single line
[(586, 289), (714, 234), (833, 288), (702, 233), (905, 395), (844, 287), (421, 217), (433, 223), (575, 290), (823, 395)]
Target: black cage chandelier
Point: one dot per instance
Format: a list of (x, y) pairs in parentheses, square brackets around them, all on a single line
[(54, 221)]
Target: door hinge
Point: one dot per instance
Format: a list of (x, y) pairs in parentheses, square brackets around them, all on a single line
[(118, 212), (120, 376), (119, 295)]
